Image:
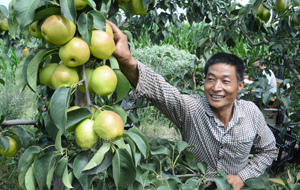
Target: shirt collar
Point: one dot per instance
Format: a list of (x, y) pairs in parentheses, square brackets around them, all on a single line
[(237, 111)]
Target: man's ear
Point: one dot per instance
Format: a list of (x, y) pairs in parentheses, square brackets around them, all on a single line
[(241, 86)]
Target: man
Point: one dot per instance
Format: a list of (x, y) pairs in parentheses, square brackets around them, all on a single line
[(222, 127), (270, 77)]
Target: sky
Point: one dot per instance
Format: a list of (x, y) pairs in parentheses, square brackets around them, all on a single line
[(6, 2)]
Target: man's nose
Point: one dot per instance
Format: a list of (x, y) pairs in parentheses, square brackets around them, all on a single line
[(217, 86)]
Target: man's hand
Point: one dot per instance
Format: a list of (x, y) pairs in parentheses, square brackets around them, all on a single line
[(127, 63), (235, 181)]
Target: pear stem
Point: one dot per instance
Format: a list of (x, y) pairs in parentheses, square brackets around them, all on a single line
[(86, 87)]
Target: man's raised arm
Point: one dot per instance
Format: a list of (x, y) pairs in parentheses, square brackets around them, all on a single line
[(127, 63)]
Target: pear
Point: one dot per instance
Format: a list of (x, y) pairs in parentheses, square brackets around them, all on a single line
[(64, 76), (58, 30), (34, 31), (102, 44), (75, 52), (136, 6), (103, 80)]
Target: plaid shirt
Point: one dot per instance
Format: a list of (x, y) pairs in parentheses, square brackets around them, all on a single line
[(223, 149)]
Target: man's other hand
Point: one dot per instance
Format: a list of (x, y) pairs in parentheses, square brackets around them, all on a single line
[(235, 181)]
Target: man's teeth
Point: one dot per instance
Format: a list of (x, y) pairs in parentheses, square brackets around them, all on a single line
[(217, 96)]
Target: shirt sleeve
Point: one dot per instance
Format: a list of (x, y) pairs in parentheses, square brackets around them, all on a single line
[(164, 96), (265, 150)]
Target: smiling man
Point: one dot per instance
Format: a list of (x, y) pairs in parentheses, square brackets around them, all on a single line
[(223, 128)]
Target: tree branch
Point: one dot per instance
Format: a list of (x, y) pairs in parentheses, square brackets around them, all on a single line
[(250, 40), (86, 87), (17, 122)]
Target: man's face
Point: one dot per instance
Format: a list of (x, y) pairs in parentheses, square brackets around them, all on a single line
[(221, 86)]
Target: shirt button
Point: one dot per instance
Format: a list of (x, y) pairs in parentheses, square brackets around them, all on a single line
[(221, 146)]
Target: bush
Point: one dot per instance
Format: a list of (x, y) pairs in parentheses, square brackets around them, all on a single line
[(14, 104), (167, 61)]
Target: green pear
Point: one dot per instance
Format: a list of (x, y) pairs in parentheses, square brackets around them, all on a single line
[(104, 80), (34, 31), (64, 76), (109, 126), (102, 44), (279, 5), (85, 136), (75, 52), (4, 25), (136, 6), (58, 30), (46, 73), (25, 52), (109, 30), (79, 4)]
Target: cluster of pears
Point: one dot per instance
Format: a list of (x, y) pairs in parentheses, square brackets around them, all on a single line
[(106, 125), (12, 149), (263, 13), (74, 52)]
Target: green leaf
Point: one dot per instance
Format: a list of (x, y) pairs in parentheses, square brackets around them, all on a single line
[(30, 179), (98, 157), (75, 116), (161, 150), (260, 182), (136, 131), (28, 155), (203, 167), (2, 82), (22, 134), (59, 104), (91, 3), (103, 166), (58, 142), (80, 162), (68, 178), (138, 141), (123, 85), (164, 188), (32, 69), (13, 26), (113, 9), (68, 9), (49, 125), (43, 170), (24, 11), (4, 56), (98, 20), (278, 181), (222, 183), (128, 35), (4, 11), (266, 97), (61, 166), (45, 13), (181, 145), (4, 143), (124, 171), (20, 82), (121, 112), (85, 27)]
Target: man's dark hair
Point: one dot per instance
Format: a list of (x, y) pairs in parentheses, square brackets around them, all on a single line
[(229, 59)]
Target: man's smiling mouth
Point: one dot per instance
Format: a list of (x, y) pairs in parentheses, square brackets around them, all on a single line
[(215, 96)]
